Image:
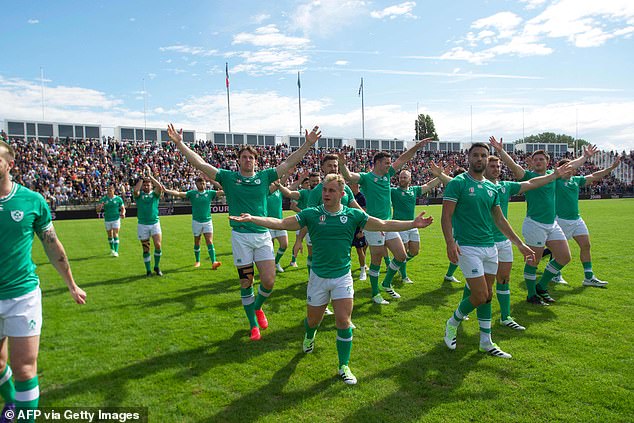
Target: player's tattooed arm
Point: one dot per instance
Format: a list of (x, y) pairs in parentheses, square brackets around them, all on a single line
[(57, 256)]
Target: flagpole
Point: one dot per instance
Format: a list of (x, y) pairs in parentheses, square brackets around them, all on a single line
[(299, 96), (228, 104), (362, 112)]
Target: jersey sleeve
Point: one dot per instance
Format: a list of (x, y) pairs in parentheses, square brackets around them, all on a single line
[(528, 174), (43, 221), (350, 194), (189, 194), (361, 217), (363, 178), (391, 172), (452, 191), (582, 181), (514, 188), (270, 175), (221, 176), (496, 197), (393, 194), (302, 218), (418, 191)]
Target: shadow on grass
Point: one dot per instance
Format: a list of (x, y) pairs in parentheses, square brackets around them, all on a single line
[(112, 387), (435, 299)]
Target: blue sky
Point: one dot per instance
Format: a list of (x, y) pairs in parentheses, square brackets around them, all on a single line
[(562, 66)]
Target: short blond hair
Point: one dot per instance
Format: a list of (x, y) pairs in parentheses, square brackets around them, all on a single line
[(494, 158), (10, 150), (335, 177)]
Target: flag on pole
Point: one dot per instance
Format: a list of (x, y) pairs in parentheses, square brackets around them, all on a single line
[(361, 87), (227, 74), (299, 84)]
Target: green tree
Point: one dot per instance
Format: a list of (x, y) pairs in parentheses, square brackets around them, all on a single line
[(424, 127), (551, 138)]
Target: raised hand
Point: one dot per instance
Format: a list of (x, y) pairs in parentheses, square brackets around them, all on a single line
[(564, 171), (497, 145), (423, 222), (435, 169), (590, 151), (175, 136), (616, 163), (313, 136)]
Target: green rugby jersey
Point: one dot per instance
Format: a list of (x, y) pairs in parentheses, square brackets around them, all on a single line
[(147, 206), (23, 213), (404, 201), (201, 204), (331, 235), (246, 194), (274, 205), (377, 193), (302, 201), (472, 218), (315, 199), (567, 197), (540, 202), (111, 207), (506, 189)]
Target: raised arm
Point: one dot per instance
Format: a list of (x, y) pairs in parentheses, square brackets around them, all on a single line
[(289, 223), (295, 185), (588, 152), (137, 188), (158, 187), (293, 195), (297, 155), (409, 154), (425, 188), (192, 157), (560, 172), (603, 173), (518, 171), (504, 227), (439, 173), (350, 177), (175, 193), (57, 256), (374, 224)]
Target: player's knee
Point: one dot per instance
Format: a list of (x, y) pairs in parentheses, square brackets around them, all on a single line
[(24, 371), (343, 323), (478, 298), (146, 246)]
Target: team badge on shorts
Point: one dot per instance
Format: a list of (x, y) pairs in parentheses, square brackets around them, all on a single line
[(343, 219), (17, 215)]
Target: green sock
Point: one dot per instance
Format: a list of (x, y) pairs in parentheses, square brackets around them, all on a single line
[(280, 253), (531, 280), (484, 319), (451, 269), (293, 258), (374, 273), (7, 389), (464, 308), (157, 258), (587, 269), (263, 295), (466, 292), (248, 301), (146, 260), (310, 332), (403, 270), (386, 260), (552, 268), (309, 263), (111, 244), (27, 395), (116, 244), (503, 292), (197, 253), (391, 271), (344, 345), (212, 252)]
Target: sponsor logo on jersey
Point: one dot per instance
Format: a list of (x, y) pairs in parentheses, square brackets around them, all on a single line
[(17, 215)]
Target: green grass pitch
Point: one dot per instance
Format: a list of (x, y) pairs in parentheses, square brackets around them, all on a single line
[(179, 344)]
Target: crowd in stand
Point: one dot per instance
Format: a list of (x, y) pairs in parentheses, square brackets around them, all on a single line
[(78, 172)]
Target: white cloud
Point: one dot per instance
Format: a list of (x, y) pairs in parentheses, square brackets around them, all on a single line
[(33, 21), (403, 9), (270, 36), (327, 17), (341, 62), (194, 51), (533, 4), (132, 19), (258, 19)]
